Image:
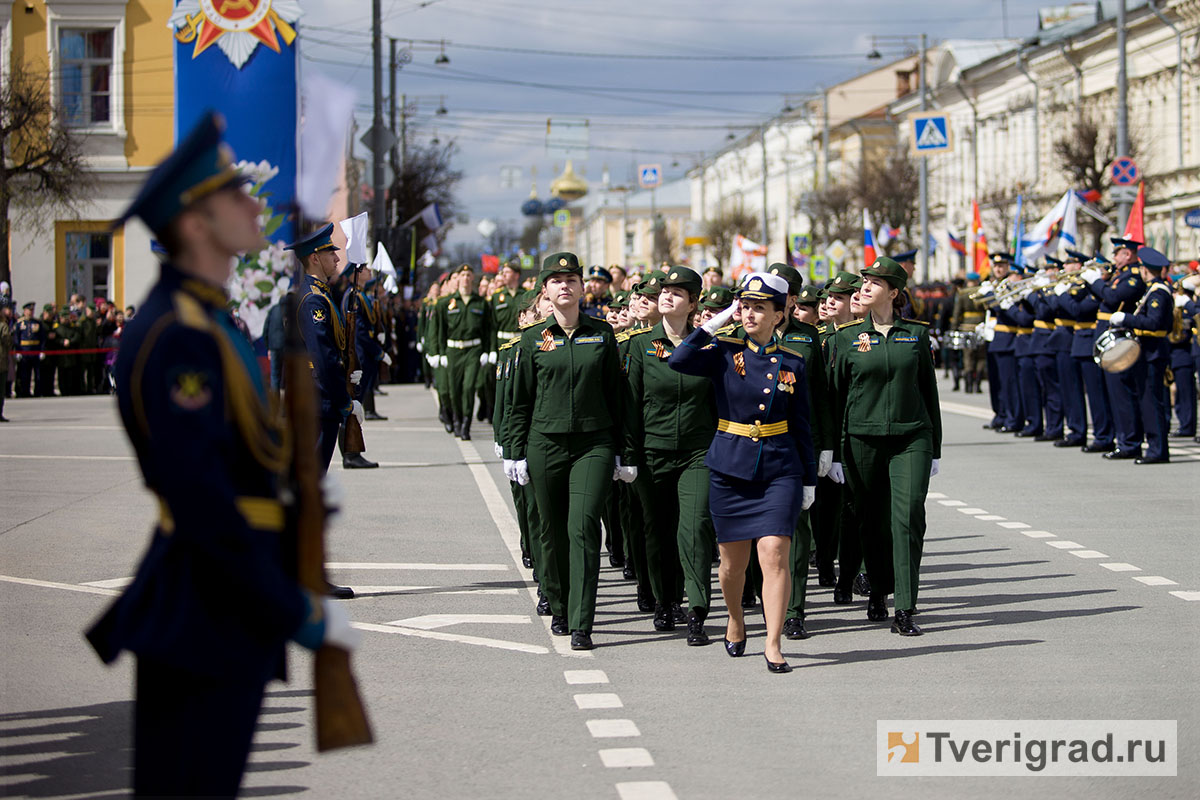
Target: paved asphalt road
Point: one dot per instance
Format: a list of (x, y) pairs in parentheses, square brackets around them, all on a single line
[(1055, 585)]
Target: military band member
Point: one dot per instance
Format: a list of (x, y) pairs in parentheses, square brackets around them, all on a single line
[(967, 315), (462, 325), (30, 338), (212, 605), (567, 438), (885, 394), (1185, 355), (1083, 306), (1067, 368), (1027, 374), (1045, 310), (1001, 354), (1151, 321), (597, 292)]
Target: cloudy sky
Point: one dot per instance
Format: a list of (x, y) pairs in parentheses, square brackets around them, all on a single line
[(658, 80)]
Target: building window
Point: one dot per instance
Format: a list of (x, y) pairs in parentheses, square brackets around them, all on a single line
[(89, 264), (85, 70)]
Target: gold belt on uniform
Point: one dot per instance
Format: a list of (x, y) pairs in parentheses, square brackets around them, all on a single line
[(1041, 323), (1155, 334), (1104, 315), (1006, 329), (260, 513), (1085, 326), (1024, 331), (1064, 323), (973, 314), (29, 342), (752, 431)]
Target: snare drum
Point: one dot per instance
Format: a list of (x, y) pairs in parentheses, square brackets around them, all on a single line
[(961, 340), (1116, 350)]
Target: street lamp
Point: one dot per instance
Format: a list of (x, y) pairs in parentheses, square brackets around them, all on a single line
[(442, 59)]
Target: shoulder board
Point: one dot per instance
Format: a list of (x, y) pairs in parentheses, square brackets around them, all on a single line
[(727, 330), (789, 350), (189, 311), (623, 337), (1161, 286), (529, 325), (731, 339), (917, 321), (639, 332), (822, 329), (510, 344), (848, 324)]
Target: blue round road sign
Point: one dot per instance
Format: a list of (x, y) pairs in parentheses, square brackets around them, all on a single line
[(1123, 171)]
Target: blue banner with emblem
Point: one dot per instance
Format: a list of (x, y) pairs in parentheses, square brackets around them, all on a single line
[(238, 57)]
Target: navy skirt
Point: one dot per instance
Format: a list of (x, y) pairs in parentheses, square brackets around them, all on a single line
[(744, 510)]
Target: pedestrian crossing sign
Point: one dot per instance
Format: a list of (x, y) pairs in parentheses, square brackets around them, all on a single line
[(930, 132)]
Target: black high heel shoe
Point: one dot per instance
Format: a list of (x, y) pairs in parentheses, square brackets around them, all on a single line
[(779, 668), (735, 649)]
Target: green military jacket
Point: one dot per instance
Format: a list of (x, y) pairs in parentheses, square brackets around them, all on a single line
[(68, 339), (462, 319), (567, 385), (885, 385), (667, 410), (504, 308), (89, 333), (967, 312), (504, 384)]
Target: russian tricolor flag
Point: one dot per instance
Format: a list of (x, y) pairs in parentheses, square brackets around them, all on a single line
[(868, 240), (956, 244)]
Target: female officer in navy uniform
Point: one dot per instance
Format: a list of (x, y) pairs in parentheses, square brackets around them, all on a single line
[(885, 394), (763, 472), (565, 431)]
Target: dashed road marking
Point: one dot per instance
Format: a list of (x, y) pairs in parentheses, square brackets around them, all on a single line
[(1191, 596), (576, 677), (587, 702), (972, 511), (1061, 545), (1120, 566), (934, 496), (1039, 534), (626, 757), (612, 728), (1012, 526), (991, 518), (70, 587), (951, 503), (645, 790), (1088, 553), (442, 636), (1154, 580)]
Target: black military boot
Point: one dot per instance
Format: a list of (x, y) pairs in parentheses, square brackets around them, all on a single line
[(904, 625), (465, 433), (664, 620), (458, 423), (695, 622), (356, 461)]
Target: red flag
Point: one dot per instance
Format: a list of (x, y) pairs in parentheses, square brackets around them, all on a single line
[(979, 242), (491, 264), (1133, 227)]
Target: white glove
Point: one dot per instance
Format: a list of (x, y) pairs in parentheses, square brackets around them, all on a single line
[(1062, 288), (1008, 303), (380, 337), (338, 632), (824, 462), (720, 320), (420, 347), (508, 469), (387, 359), (356, 376), (1117, 318), (1090, 275), (1181, 300), (492, 358), (498, 449), (332, 493), (985, 287), (42, 357), (935, 467), (810, 495), (483, 359), (442, 362), (521, 472), (623, 473), (1041, 279), (835, 473), (357, 410)]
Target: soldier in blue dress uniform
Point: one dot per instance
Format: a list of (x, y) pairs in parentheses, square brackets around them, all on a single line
[(1027, 375), (1083, 306), (1002, 358), (1062, 340), (596, 295), (1151, 321), (1185, 353), (368, 333), (1045, 310), (30, 337), (213, 603)]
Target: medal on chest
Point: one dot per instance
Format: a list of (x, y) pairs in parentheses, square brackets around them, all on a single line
[(864, 343), (660, 352), (547, 344), (739, 363), (453, 304)]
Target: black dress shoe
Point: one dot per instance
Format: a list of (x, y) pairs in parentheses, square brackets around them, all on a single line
[(904, 625), (339, 592), (558, 626), (627, 572), (1047, 437), (793, 628), (1027, 434), (678, 613), (616, 560), (526, 562), (697, 636), (1097, 447), (581, 640), (663, 619), (862, 584), (842, 596), (1123, 455), (1006, 429), (543, 606), (749, 602), (1069, 443), (779, 669), (877, 608), (992, 426), (1180, 435), (826, 575), (373, 416), (356, 461), (735, 649), (1152, 460), (645, 603), (449, 427)]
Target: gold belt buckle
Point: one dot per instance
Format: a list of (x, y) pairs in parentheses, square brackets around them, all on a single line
[(755, 432)]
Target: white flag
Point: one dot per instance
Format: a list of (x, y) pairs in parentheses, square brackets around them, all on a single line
[(431, 215), (430, 243), (355, 229), (327, 109), (747, 256), (1055, 229), (383, 262)]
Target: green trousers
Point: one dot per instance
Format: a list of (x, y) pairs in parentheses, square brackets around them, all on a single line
[(802, 538), (571, 474), (633, 526), (889, 476), (826, 512), (462, 379), (679, 532), (614, 539)]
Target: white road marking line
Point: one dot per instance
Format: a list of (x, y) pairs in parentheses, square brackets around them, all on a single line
[(1191, 596), (1061, 545), (498, 644), (965, 410), (374, 590), (510, 533), (416, 566), (429, 622), (577, 677), (612, 728), (70, 587), (20, 426), (934, 496), (991, 518), (626, 757), (1154, 580), (597, 700), (1012, 526), (397, 429), (65, 458), (972, 511), (1118, 566), (406, 463), (645, 790), (1039, 534), (111, 583), (1087, 553), (951, 503)]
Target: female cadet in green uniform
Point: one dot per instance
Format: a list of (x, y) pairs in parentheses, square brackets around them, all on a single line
[(885, 392), (566, 430), (673, 419)]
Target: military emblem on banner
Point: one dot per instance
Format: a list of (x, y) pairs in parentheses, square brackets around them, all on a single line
[(237, 27), (864, 343)]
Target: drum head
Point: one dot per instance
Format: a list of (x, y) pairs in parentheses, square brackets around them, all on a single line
[(1117, 351)]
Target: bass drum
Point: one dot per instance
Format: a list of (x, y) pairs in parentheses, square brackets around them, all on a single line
[(1116, 350)]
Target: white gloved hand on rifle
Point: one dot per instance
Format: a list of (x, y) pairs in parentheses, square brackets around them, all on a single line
[(380, 337), (387, 359), (338, 631), (357, 410), (356, 376)]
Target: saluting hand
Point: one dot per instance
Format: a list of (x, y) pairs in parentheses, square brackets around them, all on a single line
[(720, 320)]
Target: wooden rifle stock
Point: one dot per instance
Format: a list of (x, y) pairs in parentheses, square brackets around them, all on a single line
[(341, 719), (354, 442)]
